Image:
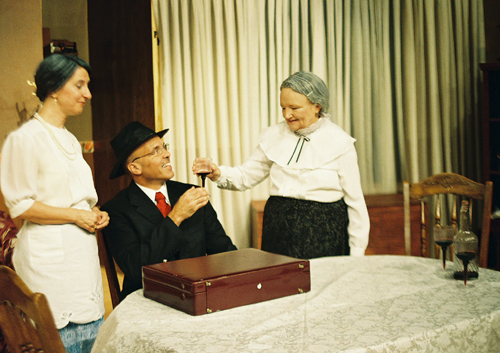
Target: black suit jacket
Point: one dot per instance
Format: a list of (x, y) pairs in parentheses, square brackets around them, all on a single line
[(138, 234)]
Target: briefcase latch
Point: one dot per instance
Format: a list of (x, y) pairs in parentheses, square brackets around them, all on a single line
[(301, 265), (208, 284)]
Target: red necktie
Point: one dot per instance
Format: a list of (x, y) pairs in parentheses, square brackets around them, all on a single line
[(162, 205)]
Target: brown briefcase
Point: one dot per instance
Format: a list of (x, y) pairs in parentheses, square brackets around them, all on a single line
[(222, 281)]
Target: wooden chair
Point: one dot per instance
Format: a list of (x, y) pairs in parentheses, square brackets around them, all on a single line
[(109, 265), (461, 188), (25, 317)]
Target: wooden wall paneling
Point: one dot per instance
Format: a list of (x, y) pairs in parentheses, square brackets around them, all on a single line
[(122, 79), (387, 225), (257, 219)]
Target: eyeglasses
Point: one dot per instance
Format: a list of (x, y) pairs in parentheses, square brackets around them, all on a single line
[(157, 151)]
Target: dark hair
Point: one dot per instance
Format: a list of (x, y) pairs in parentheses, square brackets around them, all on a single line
[(54, 71)]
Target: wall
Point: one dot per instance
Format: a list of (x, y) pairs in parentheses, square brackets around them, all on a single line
[(20, 53), (21, 50), (68, 20)]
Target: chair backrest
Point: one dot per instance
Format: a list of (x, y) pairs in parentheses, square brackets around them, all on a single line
[(461, 188), (25, 317), (109, 265)]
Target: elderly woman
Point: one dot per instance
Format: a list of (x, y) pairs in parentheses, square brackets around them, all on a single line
[(316, 207), (47, 183)]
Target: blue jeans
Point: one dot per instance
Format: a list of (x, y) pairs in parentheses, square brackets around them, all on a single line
[(79, 338)]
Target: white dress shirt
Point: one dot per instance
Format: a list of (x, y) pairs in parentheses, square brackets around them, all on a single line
[(152, 193)]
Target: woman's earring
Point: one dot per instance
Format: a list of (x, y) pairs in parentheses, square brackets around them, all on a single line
[(55, 100)]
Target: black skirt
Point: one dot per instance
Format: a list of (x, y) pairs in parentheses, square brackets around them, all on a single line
[(305, 229)]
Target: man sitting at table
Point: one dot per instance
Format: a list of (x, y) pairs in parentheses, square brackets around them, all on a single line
[(156, 219)]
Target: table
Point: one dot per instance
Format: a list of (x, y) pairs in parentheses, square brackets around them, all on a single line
[(356, 304)]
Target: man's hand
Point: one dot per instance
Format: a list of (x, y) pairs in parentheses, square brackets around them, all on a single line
[(190, 202)]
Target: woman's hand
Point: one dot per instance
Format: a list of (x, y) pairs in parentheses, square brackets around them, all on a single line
[(41, 213), (103, 218), (214, 175), (87, 220), (92, 220)]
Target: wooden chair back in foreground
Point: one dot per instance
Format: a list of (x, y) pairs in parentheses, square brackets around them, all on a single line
[(25, 317), (109, 265), (461, 188)]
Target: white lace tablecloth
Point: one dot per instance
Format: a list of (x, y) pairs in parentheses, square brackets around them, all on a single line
[(356, 304)]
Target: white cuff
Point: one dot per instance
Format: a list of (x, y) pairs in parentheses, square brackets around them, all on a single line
[(222, 182), (357, 251)]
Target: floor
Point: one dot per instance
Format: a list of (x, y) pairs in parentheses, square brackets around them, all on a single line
[(107, 298)]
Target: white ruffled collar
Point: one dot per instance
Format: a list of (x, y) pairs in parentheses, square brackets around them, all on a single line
[(311, 128)]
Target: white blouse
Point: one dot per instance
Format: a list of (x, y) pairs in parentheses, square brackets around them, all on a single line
[(60, 261), (317, 164)]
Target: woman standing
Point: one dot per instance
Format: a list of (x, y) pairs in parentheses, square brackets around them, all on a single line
[(47, 183), (316, 207)]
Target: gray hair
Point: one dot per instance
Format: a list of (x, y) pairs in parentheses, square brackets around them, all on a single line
[(54, 71), (311, 86)]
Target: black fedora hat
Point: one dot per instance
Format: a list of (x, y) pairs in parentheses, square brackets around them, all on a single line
[(132, 136)]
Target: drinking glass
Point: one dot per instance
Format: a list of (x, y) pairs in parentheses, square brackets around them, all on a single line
[(443, 236), (466, 250), (202, 167)]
